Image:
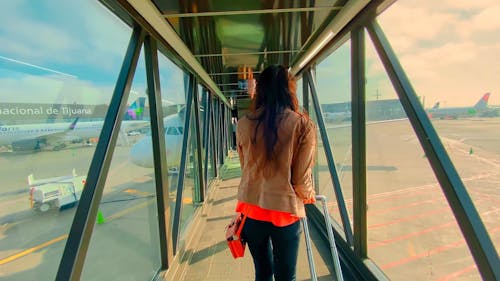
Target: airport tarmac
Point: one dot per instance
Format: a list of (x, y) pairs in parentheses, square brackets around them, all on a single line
[(412, 234), (32, 242)]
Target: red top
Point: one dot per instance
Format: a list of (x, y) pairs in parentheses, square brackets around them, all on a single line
[(277, 218)]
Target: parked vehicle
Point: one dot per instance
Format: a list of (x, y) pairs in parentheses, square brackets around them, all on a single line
[(57, 192)]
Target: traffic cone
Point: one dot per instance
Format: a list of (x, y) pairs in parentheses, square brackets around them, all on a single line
[(100, 218)]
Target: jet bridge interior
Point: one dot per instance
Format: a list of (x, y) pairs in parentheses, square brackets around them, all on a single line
[(220, 47)]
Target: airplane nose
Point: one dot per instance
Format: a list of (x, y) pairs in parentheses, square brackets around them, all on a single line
[(141, 153)]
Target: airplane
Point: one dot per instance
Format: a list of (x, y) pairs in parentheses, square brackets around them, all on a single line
[(141, 153), (29, 137), (456, 112)]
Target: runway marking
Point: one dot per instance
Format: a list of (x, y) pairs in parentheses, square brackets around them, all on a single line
[(406, 236), (405, 206), (423, 255), (458, 273), (440, 199), (411, 249), (32, 249), (390, 195), (414, 189), (423, 231), (430, 252), (458, 143), (137, 192), (425, 214), (62, 237)]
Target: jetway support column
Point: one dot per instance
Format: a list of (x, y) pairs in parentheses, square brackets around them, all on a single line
[(159, 152), (358, 142), (329, 157), (75, 251), (198, 164), (207, 133), (182, 167)]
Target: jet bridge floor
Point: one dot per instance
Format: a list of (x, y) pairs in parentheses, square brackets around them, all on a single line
[(207, 256)]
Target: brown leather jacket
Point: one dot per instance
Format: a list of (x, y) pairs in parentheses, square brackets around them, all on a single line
[(283, 183)]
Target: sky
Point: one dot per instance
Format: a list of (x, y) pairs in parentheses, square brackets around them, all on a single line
[(449, 49), (52, 53)]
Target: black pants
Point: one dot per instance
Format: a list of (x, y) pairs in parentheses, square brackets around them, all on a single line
[(274, 249)]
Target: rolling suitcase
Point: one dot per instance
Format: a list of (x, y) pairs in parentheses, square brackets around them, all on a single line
[(333, 248)]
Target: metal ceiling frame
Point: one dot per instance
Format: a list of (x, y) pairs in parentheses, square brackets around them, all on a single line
[(316, 44), (251, 12), (248, 53), (149, 12)]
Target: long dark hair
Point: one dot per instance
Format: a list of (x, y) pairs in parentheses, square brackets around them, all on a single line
[(275, 92)]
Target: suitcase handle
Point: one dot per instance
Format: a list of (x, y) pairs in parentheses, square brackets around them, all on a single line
[(331, 238)]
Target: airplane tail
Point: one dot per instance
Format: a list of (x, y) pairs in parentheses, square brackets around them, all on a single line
[(136, 109), (483, 102), (73, 124)]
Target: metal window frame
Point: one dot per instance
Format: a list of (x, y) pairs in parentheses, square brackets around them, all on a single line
[(463, 208), (182, 165), (206, 134), (147, 15), (213, 140), (75, 250), (199, 146), (330, 160), (358, 130), (159, 150)]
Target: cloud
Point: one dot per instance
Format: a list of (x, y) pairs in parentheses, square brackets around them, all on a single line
[(53, 89), (81, 38), (464, 5), (171, 81), (53, 35), (409, 24), (486, 20), (447, 48)]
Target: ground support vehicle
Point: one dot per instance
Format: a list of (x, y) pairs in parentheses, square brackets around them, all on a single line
[(57, 192)]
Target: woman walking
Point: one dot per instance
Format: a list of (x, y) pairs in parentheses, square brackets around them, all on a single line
[(276, 145)]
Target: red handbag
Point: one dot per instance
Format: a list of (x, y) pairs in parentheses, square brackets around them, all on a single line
[(233, 236)]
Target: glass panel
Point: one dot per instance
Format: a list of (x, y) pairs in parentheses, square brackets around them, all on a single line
[(334, 95), (412, 233), (126, 233), (191, 181), (173, 101), (57, 74), (211, 145), (451, 68)]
